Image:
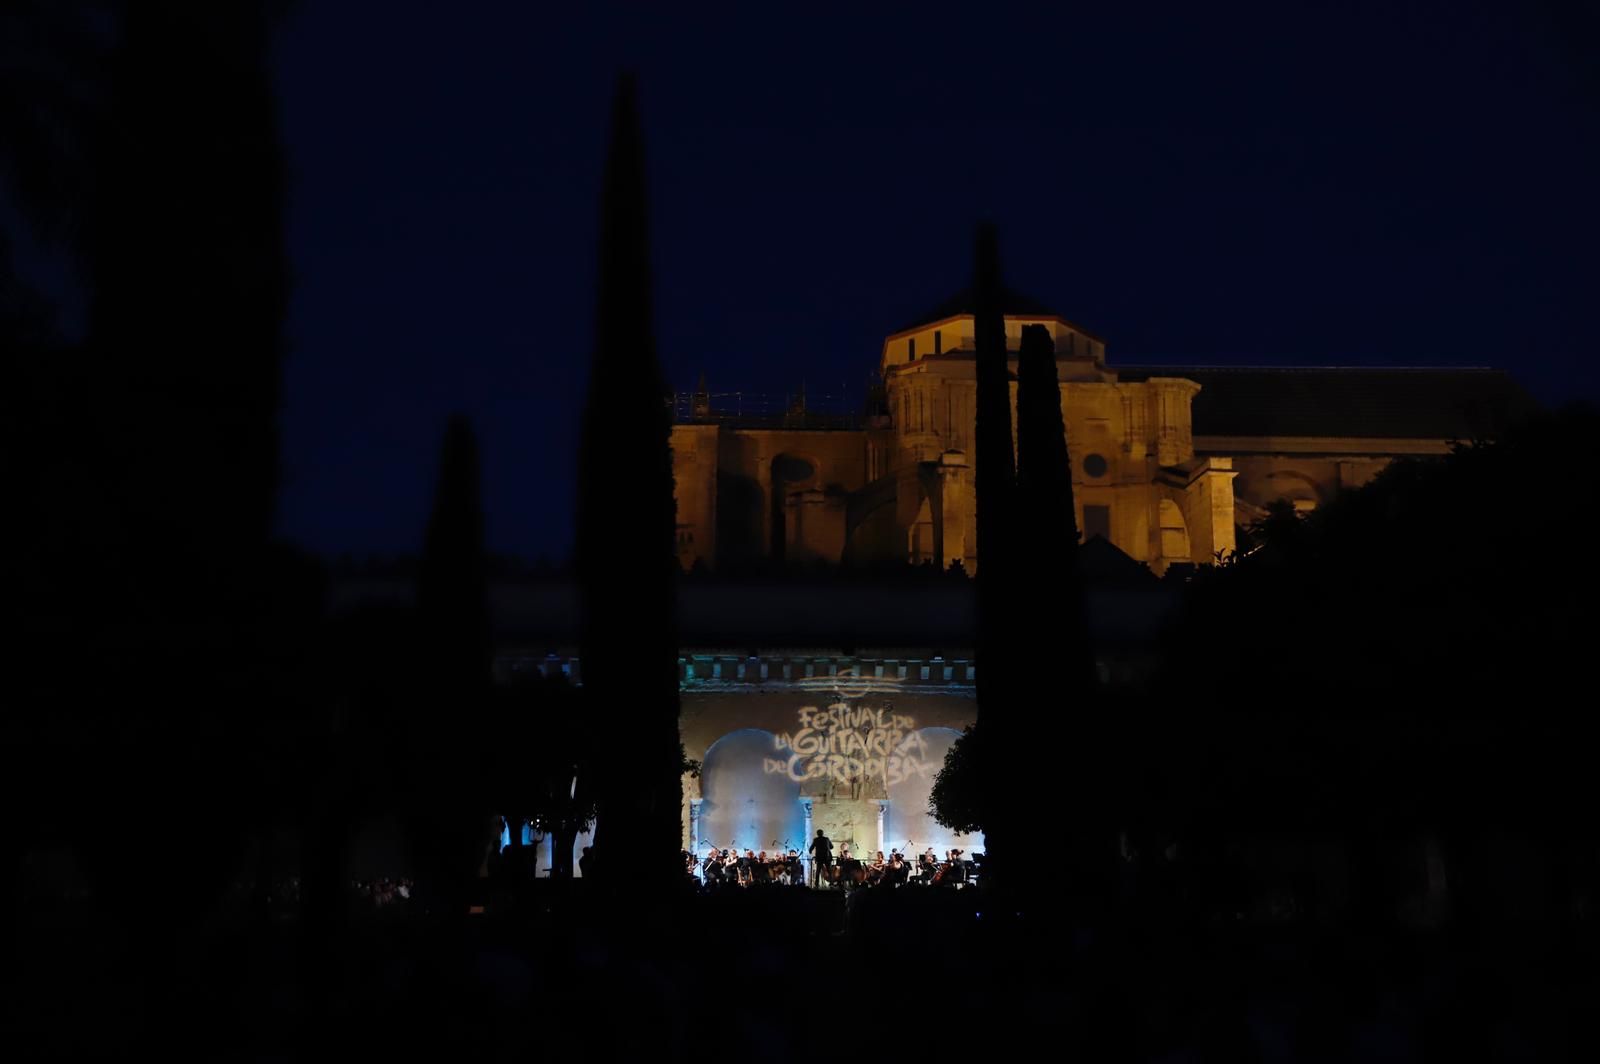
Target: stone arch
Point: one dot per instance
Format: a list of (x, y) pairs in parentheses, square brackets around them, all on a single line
[(788, 472), (908, 819), (749, 800), (919, 535), (1299, 489), (1174, 531)]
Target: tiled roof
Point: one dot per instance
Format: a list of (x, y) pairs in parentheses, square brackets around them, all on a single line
[(1436, 404)]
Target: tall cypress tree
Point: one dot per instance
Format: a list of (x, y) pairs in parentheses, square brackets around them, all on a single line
[(995, 481), (1054, 656), (174, 429), (452, 583), (189, 282), (626, 552), (1046, 510), (453, 607)]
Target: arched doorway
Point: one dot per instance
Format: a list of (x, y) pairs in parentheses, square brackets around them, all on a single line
[(747, 802), (790, 473)]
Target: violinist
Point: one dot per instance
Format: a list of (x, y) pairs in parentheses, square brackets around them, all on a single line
[(927, 866), (876, 869), (713, 867), (897, 871)]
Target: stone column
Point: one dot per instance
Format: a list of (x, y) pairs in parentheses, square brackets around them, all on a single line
[(883, 817), (805, 843), (694, 825), (950, 527), (1208, 511)]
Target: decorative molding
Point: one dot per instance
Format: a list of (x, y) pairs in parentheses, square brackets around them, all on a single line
[(851, 674)]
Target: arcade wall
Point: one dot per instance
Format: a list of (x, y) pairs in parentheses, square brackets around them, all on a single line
[(853, 755)]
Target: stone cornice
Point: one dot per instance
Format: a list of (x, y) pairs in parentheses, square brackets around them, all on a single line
[(1355, 446), (712, 670)]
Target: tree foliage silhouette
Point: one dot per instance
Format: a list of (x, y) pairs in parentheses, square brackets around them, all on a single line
[(1056, 662), (450, 807), (1032, 610), (995, 482), (1414, 645), (163, 643), (190, 290), (626, 551), (177, 392), (1047, 518)]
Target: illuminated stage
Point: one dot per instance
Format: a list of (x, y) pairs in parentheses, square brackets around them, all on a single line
[(790, 744)]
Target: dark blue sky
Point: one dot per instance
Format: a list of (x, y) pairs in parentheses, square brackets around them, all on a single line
[(1363, 182)]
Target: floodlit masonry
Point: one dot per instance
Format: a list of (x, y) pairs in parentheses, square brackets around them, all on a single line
[(1166, 461)]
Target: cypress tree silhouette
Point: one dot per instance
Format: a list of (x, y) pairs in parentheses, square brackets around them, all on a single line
[(177, 418), (190, 290), (626, 556), (453, 606), (1046, 511), (168, 427), (452, 581), (1044, 477), (995, 483), (1055, 655)]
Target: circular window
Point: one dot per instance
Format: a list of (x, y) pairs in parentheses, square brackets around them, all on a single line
[(1095, 465)]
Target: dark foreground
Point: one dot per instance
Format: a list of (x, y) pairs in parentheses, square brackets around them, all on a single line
[(783, 975)]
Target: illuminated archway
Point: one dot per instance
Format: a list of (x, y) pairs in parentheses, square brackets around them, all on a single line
[(909, 820), (744, 804), (1174, 531)]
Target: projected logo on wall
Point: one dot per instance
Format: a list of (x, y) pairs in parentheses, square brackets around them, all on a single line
[(847, 742)]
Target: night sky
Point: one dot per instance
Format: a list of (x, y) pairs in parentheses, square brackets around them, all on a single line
[(1370, 182)]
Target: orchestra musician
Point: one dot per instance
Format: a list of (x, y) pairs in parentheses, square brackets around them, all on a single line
[(876, 869), (851, 872)]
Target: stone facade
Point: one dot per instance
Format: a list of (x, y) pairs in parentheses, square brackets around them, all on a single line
[(1167, 462)]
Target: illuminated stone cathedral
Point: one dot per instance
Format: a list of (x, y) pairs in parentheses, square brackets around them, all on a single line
[(1167, 461), (831, 705)]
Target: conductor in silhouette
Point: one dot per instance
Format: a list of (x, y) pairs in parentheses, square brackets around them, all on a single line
[(821, 858)]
